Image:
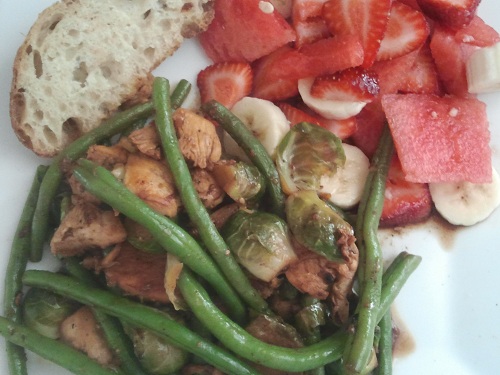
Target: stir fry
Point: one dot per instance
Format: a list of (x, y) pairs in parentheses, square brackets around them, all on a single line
[(178, 259)]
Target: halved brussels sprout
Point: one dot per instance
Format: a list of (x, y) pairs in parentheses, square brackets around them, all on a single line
[(141, 238), (315, 224), (307, 154), (241, 181), (260, 242), (44, 311)]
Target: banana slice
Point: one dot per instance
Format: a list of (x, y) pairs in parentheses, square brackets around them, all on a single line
[(465, 203), (266, 121), (483, 70), (346, 185), (330, 109)]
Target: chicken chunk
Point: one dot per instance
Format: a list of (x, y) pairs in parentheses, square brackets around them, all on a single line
[(79, 194), (210, 193), (321, 278), (137, 273), (86, 227), (198, 139), (81, 331), (107, 156), (147, 141), (151, 180)]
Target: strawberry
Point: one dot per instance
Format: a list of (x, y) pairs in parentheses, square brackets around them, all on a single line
[(404, 202), (411, 3), (310, 30), (406, 31), (270, 88), (302, 10), (370, 123), (225, 82), (352, 85), (366, 19), (341, 128), (393, 73), (451, 13)]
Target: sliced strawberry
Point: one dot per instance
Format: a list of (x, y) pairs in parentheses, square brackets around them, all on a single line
[(370, 123), (365, 19), (225, 82), (266, 86), (407, 30), (310, 30), (451, 13), (422, 77), (341, 128), (393, 73), (242, 31), (404, 202), (302, 10), (325, 56), (411, 3), (352, 85)]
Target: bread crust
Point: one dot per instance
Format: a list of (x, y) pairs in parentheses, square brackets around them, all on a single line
[(83, 59)]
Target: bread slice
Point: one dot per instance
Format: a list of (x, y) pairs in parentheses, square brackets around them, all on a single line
[(83, 59)]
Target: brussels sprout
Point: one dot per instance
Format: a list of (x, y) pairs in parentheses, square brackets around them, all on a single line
[(310, 318), (155, 354), (315, 224), (260, 242), (140, 238), (307, 154), (241, 181), (44, 311)]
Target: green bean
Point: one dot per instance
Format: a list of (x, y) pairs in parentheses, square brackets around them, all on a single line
[(116, 337), (359, 351), (395, 276), (101, 183), (384, 356), (249, 347), (192, 203), (15, 268), (52, 350), (180, 93), (139, 315), (53, 177), (253, 149)]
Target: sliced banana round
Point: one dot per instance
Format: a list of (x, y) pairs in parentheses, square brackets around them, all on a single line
[(346, 185), (266, 121), (330, 109), (465, 203)]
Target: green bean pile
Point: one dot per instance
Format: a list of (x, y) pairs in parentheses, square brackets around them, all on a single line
[(211, 273)]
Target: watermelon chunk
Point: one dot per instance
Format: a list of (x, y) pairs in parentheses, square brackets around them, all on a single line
[(440, 139), (242, 31)]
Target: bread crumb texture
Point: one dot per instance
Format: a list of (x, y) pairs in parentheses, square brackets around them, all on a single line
[(83, 59)]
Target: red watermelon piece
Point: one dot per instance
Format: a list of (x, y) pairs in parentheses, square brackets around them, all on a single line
[(243, 31), (440, 139)]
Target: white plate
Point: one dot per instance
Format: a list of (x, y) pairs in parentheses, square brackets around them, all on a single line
[(450, 306)]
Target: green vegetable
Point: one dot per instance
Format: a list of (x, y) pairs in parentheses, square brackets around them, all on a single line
[(253, 149), (192, 203), (53, 177), (307, 154), (385, 346), (315, 225), (52, 350), (260, 242), (141, 238), (310, 318), (139, 315), (180, 93), (241, 181), (358, 353), (101, 183), (44, 311), (15, 268)]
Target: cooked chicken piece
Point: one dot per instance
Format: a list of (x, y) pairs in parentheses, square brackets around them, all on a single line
[(200, 370), (321, 278), (221, 215), (210, 193), (151, 180), (107, 156), (79, 194), (137, 273), (81, 331), (85, 227), (147, 141), (198, 138)]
